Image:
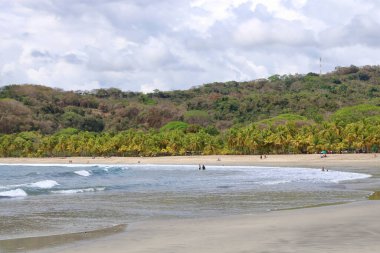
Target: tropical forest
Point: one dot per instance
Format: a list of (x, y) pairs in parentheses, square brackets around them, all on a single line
[(281, 114)]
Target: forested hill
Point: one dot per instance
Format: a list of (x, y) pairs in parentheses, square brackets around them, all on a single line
[(345, 95)]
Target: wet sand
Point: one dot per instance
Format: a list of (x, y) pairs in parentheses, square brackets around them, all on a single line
[(353, 227), (50, 241), (345, 228)]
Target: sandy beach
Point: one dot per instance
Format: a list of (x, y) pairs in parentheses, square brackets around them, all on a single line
[(345, 161), (343, 228), (352, 227)]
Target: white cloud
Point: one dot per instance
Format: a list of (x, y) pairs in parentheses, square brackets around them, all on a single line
[(278, 9), (175, 44), (256, 32)]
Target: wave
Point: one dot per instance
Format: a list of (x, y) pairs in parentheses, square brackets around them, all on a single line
[(74, 191), (45, 184), (83, 173), (17, 193), (100, 170), (71, 165), (275, 182)]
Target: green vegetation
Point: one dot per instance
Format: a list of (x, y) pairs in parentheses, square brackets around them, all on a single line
[(356, 113), (338, 111), (175, 125), (283, 119), (253, 139)]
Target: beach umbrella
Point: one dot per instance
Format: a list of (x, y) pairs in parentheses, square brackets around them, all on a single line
[(324, 152)]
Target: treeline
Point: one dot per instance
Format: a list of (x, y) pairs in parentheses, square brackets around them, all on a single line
[(180, 139), (222, 105)]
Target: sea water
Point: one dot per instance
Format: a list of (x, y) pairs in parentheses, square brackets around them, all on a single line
[(55, 199)]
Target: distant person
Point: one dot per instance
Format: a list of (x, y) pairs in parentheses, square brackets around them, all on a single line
[(261, 156), (323, 168), (203, 167), (200, 167)]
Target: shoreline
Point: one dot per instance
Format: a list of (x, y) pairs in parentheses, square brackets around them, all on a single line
[(308, 160), (294, 230)]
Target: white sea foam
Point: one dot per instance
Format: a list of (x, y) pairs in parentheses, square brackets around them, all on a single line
[(74, 191), (83, 173), (13, 193), (46, 184), (68, 165), (276, 182)]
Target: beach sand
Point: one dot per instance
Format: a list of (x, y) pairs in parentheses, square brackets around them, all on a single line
[(356, 161), (344, 228), (353, 227)]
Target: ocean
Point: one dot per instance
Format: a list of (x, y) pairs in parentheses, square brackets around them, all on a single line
[(41, 199)]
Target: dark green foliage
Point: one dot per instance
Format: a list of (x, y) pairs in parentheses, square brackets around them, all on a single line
[(146, 100), (197, 117), (92, 124)]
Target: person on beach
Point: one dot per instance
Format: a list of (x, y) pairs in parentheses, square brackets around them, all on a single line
[(200, 167), (323, 168), (203, 167)]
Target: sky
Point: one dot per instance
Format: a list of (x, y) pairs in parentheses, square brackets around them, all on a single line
[(142, 45)]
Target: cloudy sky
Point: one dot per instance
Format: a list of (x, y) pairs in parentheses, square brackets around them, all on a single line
[(142, 45)]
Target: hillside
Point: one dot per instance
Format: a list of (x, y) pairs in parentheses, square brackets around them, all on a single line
[(223, 105)]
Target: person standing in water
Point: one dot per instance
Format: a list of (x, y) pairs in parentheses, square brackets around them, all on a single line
[(203, 167)]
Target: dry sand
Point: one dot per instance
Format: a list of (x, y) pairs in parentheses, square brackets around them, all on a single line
[(335, 161), (353, 227)]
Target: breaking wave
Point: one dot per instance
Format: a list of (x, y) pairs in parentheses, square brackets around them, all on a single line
[(74, 191), (45, 184), (17, 193), (83, 173)]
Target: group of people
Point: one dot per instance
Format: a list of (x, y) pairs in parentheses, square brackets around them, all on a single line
[(202, 167), (323, 169)]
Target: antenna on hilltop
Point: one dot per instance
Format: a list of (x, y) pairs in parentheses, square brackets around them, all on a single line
[(320, 65)]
